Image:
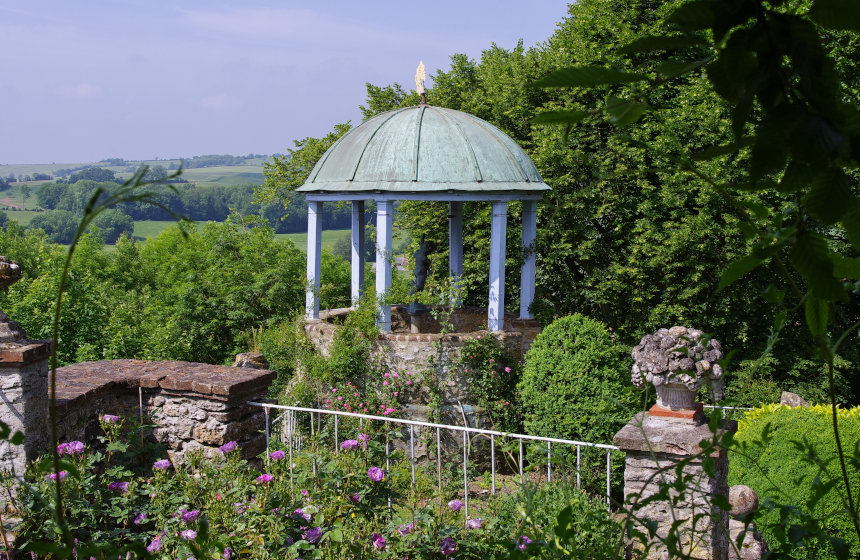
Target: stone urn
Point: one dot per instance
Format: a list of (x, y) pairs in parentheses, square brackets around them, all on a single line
[(678, 361)]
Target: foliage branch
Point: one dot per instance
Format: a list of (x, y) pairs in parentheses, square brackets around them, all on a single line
[(793, 129)]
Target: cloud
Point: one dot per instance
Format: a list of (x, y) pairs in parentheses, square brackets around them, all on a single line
[(82, 91), (219, 101)]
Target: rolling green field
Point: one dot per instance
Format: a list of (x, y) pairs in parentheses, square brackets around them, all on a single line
[(204, 176), (225, 175), (23, 217)]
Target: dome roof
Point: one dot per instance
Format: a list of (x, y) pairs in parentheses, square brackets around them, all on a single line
[(424, 149)]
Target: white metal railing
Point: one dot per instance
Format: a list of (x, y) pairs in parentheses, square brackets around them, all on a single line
[(295, 440)]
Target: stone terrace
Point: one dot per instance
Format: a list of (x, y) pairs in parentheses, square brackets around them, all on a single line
[(194, 406)]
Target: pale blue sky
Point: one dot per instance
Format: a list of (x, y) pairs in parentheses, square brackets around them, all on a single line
[(84, 80)]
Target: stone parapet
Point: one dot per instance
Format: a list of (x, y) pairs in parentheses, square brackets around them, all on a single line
[(24, 391), (195, 407), (655, 448)]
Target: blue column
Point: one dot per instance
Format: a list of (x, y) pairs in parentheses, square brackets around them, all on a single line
[(312, 302), (527, 272), (384, 258), (498, 227), (357, 251)]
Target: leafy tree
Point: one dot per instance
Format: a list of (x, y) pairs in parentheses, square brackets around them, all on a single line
[(59, 225), (285, 173), (48, 195), (97, 174), (622, 237), (793, 139), (26, 191), (112, 224)]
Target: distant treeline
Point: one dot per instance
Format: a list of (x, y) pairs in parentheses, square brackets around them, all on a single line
[(65, 200)]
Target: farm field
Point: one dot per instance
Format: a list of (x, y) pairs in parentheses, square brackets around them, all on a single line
[(203, 176), (23, 217)]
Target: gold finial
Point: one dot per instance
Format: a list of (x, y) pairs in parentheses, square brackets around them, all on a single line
[(420, 77)]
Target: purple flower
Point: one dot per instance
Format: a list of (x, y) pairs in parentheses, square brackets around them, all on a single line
[(523, 542), (289, 540), (161, 464), (455, 505), (118, 486), (265, 478), (355, 497), (349, 444), (300, 514), (363, 438), (71, 448), (189, 534), (312, 535), (475, 523), (227, 553), (141, 517), (189, 516), (406, 529), (277, 455), (54, 476), (375, 473), (378, 540), (155, 545), (110, 418), (305, 493), (228, 447), (448, 546)]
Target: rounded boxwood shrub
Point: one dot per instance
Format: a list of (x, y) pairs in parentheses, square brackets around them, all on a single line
[(774, 455), (576, 382)]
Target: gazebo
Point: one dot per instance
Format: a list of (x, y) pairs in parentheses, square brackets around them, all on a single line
[(425, 153)]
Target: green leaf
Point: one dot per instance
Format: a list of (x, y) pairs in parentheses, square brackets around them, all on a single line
[(559, 117), (651, 43), (851, 223), (588, 76), (812, 258), (758, 209), (336, 535), (737, 269), (622, 113), (837, 14), (798, 176), (714, 152), (693, 16), (673, 68), (17, 438), (845, 267), (840, 548)]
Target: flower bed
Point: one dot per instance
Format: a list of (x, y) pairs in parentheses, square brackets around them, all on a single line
[(335, 505)]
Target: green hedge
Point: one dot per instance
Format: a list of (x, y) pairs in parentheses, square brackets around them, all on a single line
[(576, 382), (774, 456)]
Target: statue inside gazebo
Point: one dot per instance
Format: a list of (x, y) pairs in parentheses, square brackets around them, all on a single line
[(432, 154)]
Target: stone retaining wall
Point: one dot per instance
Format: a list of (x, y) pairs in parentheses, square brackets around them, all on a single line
[(194, 406), (430, 353)]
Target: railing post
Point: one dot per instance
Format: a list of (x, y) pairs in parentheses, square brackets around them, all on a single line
[(465, 472), (266, 412), (493, 461)]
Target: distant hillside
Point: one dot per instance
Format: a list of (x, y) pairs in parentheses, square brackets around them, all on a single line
[(205, 170)]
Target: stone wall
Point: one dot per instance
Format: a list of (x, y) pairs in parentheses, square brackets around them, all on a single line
[(24, 391), (430, 353), (194, 406), (655, 448)]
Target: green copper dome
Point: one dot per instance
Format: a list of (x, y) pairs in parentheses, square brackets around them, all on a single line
[(425, 149)]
